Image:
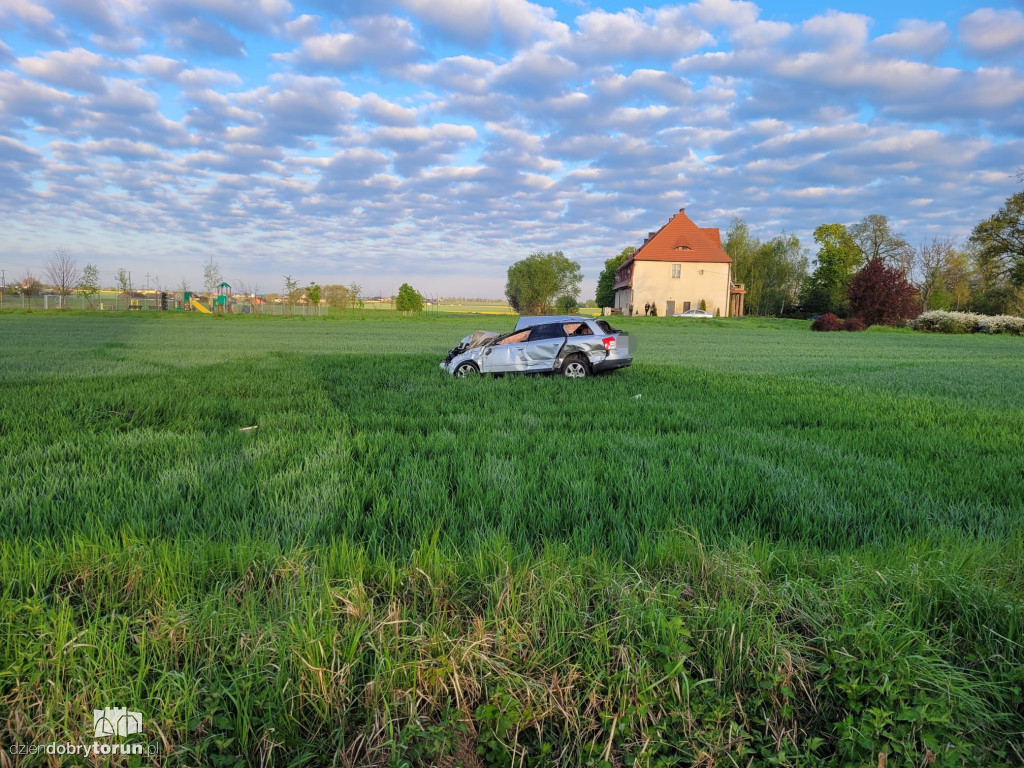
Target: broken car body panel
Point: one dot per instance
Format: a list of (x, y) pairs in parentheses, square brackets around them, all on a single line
[(541, 345)]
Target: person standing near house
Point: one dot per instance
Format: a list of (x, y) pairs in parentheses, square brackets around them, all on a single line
[(647, 308)]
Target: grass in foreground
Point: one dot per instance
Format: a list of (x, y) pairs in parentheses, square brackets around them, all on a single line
[(789, 548)]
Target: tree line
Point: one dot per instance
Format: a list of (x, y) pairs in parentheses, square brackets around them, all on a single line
[(984, 275)]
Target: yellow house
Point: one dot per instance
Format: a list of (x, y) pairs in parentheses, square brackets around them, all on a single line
[(675, 269)]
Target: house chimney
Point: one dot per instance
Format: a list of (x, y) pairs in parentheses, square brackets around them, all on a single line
[(651, 234), (682, 210)]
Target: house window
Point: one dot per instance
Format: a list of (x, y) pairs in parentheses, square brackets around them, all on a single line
[(676, 270)]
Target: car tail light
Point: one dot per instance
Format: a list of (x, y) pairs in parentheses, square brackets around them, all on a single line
[(609, 343)]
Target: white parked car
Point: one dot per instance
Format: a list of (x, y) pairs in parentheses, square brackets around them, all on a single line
[(694, 313)]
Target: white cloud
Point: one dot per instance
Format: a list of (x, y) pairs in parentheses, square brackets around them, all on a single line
[(381, 41), (460, 74), (13, 151), (915, 37), (196, 35), (77, 69), (258, 15), (837, 31), (295, 108), (632, 34), (644, 84), (123, 148), (25, 101), (302, 27), (476, 22), (988, 32), (385, 112), (534, 71), (25, 11), (996, 88), (742, 20)]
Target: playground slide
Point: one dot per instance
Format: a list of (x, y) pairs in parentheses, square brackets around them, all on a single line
[(196, 305)]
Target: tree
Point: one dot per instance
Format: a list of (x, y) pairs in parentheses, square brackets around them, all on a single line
[(89, 284), (876, 240), (124, 281), (355, 292), (838, 258), (743, 248), (779, 269), (212, 277), (957, 278), (291, 291), (313, 292), (408, 299), (29, 286), (880, 295), (771, 272), (534, 282), (606, 280), (992, 291), (567, 305), (63, 273), (933, 263), (337, 297), (1000, 240)]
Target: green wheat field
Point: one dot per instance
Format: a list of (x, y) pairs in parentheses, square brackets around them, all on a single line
[(297, 542)]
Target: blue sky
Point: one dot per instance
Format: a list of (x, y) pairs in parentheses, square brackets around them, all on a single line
[(438, 141)]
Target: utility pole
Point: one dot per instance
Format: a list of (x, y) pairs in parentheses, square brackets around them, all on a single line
[(147, 281)]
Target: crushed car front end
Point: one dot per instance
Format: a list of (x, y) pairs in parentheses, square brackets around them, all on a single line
[(468, 351)]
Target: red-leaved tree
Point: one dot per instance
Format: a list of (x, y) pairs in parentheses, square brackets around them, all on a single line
[(881, 295)]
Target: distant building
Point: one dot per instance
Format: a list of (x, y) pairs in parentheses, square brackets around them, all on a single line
[(675, 269)]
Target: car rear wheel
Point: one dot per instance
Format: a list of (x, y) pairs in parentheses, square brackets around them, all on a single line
[(462, 370), (575, 367)]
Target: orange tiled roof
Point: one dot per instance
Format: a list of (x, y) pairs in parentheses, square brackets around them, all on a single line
[(682, 240)]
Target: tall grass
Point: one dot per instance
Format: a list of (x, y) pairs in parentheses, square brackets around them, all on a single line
[(790, 549)]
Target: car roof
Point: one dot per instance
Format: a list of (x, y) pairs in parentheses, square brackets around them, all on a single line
[(529, 322)]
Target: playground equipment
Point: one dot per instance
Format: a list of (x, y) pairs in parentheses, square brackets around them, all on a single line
[(223, 294), (220, 303)]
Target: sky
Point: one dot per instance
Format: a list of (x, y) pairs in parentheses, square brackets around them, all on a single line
[(436, 142)]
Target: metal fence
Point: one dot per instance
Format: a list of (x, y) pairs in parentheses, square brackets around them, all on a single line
[(47, 302)]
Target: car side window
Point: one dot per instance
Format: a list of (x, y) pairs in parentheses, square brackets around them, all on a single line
[(578, 329), (516, 338), (549, 331)]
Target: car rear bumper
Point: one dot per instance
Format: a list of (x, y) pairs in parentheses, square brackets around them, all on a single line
[(611, 363)]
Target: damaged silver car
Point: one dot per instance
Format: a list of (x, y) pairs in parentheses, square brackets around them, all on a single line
[(574, 347)]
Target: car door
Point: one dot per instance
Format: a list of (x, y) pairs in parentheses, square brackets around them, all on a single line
[(583, 339), (543, 347), (506, 354)]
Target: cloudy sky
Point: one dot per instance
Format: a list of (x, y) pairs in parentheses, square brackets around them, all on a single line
[(438, 141)]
